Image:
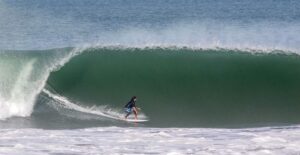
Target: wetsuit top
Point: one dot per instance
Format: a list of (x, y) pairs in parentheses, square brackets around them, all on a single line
[(130, 104)]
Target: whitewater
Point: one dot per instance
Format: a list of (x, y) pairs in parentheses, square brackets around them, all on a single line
[(212, 77), (116, 140)]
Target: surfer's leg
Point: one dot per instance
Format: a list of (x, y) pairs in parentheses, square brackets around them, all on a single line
[(135, 113), (129, 111), (127, 115)]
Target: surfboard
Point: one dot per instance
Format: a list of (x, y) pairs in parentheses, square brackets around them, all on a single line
[(136, 120)]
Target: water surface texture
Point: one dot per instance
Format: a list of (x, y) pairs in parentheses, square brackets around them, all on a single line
[(217, 77)]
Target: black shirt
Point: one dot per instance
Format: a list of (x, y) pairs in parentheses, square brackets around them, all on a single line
[(130, 104)]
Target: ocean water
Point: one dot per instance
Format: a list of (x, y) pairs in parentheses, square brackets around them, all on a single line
[(212, 77)]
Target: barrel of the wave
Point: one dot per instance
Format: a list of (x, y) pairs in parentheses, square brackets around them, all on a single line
[(182, 87)]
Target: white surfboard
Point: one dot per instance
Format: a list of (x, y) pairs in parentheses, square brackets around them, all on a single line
[(135, 120)]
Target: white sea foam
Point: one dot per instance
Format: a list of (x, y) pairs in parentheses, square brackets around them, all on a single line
[(115, 140), (23, 78)]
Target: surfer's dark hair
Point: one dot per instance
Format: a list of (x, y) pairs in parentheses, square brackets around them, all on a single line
[(134, 97)]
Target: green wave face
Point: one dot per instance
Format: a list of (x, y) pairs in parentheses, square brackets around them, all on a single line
[(187, 88)]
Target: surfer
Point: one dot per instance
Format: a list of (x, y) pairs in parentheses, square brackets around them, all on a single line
[(131, 107)]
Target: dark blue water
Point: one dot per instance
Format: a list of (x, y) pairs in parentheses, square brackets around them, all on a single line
[(34, 24)]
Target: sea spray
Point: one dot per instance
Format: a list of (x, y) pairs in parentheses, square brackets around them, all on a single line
[(23, 76)]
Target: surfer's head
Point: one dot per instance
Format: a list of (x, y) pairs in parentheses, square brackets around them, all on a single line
[(134, 98)]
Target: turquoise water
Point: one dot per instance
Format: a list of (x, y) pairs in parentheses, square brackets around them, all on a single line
[(184, 87), (176, 87)]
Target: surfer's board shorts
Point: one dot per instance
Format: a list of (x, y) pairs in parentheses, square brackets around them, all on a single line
[(128, 110)]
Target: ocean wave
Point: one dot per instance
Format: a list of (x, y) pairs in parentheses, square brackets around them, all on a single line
[(185, 84), (258, 88)]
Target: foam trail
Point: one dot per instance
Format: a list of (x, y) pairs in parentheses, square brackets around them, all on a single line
[(63, 101)]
